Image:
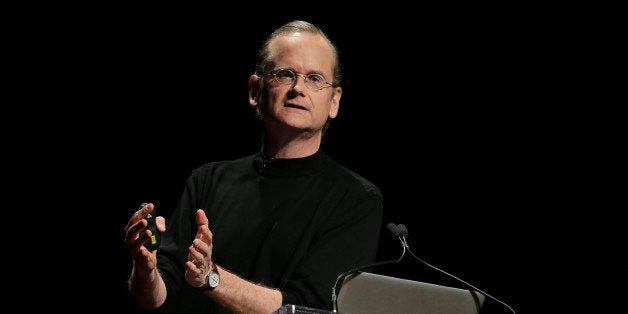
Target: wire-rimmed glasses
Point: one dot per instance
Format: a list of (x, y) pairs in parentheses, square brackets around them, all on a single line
[(313, 81)]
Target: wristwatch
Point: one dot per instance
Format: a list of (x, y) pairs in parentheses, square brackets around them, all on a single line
[(211, 281)]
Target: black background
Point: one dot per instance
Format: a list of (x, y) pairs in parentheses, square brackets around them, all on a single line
[(497, 135)]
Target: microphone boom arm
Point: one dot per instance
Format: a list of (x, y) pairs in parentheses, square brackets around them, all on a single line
[(334, 296)]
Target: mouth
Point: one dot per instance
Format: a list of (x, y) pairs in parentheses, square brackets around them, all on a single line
[(295, 106)]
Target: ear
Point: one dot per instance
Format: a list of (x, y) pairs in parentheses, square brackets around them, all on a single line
[(254, 88), (335, 102)]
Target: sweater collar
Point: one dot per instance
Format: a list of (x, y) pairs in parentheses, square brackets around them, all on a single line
[(289, 167)]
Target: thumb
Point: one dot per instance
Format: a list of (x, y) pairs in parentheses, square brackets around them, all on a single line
[(161, 223), (201, 219)]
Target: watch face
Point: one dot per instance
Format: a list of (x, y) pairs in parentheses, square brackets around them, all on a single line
[(213, 279)]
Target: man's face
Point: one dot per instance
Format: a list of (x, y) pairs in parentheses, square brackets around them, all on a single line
[(295, 106)]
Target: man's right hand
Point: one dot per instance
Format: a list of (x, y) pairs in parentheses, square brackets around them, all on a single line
[(136, 235)]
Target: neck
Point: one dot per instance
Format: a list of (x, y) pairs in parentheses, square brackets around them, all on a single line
[(299, 147)]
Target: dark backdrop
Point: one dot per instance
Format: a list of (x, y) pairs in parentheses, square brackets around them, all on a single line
[(498, 139)]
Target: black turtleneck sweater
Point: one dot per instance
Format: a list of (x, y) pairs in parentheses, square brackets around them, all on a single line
[(291, 224)]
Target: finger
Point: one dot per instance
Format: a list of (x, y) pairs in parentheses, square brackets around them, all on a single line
[(201, 218), (200, 246), (207, 235), (135, 241), (195, 255), (198, 259), (133, 233), (140, 214), (202, 232), (204, 245), (190, 266), (193, 272), (161, 223)]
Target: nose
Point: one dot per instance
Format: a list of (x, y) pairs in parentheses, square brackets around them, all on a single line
[(297, 86)]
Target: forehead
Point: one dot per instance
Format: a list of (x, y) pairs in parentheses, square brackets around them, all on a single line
[(302, 51)]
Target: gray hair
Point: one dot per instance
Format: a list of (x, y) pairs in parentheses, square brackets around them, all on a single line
[(293, 27)]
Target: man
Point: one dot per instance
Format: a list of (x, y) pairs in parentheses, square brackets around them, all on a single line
[(273, 228)]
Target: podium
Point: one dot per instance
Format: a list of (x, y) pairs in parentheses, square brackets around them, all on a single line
[(368, 293), (298, 309)]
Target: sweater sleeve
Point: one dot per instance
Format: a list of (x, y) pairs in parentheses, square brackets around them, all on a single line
[(173, 251)]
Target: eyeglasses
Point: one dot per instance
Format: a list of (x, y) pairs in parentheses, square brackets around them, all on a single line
[(312, 81)]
